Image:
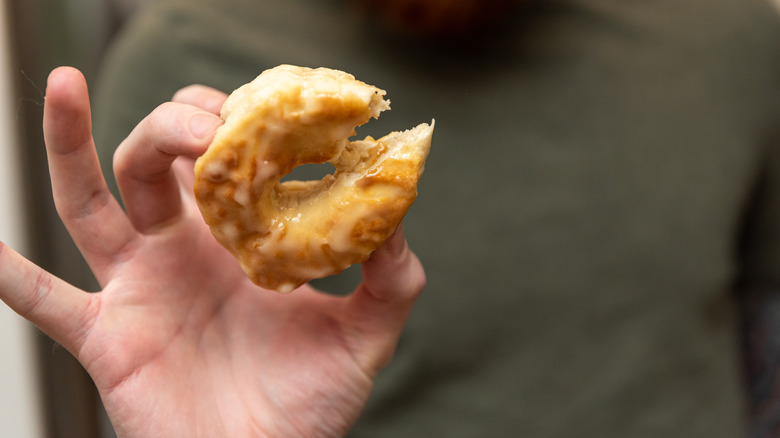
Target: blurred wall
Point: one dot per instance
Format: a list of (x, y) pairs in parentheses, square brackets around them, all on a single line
[(20, 405), (45, 34)]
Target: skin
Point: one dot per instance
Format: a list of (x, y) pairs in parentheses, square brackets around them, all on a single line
[(178, 341)]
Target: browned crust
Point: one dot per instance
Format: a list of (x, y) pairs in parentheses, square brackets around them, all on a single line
[(287, 234)]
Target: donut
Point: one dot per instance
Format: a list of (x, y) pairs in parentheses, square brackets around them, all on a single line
[(284, 234)]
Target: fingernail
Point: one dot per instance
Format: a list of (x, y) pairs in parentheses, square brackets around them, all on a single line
[(203, 125)]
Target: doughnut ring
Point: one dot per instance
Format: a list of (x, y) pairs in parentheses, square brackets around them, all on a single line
[(287, 233)]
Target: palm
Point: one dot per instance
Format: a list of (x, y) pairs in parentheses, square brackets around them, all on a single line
[(216, 351), (179, 342)]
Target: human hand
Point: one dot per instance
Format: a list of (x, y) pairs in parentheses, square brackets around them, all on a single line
[(178, 341)]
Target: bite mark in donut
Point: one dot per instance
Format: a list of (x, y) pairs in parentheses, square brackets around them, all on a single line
[(287, 233)]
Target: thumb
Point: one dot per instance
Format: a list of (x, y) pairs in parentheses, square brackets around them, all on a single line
[(393, 279)]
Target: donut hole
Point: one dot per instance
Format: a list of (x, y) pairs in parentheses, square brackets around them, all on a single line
[(304, 184), (309, 172)]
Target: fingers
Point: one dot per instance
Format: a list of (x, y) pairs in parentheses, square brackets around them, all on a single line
[(205, 98), (92, 216), (62, 311), (143, 162), (184, 167), (393, 278)]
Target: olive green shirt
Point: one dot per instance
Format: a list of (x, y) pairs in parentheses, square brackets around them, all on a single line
[(603, 183)]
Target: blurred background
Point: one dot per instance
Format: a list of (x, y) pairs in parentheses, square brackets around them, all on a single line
[(44, 392)]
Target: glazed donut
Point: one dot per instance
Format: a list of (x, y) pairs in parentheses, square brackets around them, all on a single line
[(287, 233)]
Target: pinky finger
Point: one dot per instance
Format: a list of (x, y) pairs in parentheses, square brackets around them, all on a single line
[(62, 311)]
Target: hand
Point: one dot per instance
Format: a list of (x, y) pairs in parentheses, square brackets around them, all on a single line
[(178, 341)]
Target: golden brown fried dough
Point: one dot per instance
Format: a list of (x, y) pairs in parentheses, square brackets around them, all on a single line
[(287, 233)]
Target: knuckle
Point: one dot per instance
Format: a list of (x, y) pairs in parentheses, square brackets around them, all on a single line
[(36, 296), (416, 280), (164, 122), (419, 283), (90, 204), (187, 93), (163, 132), (199, 95)]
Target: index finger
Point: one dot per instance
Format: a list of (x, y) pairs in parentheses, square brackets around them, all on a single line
[(148, 183), (201, 96)]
